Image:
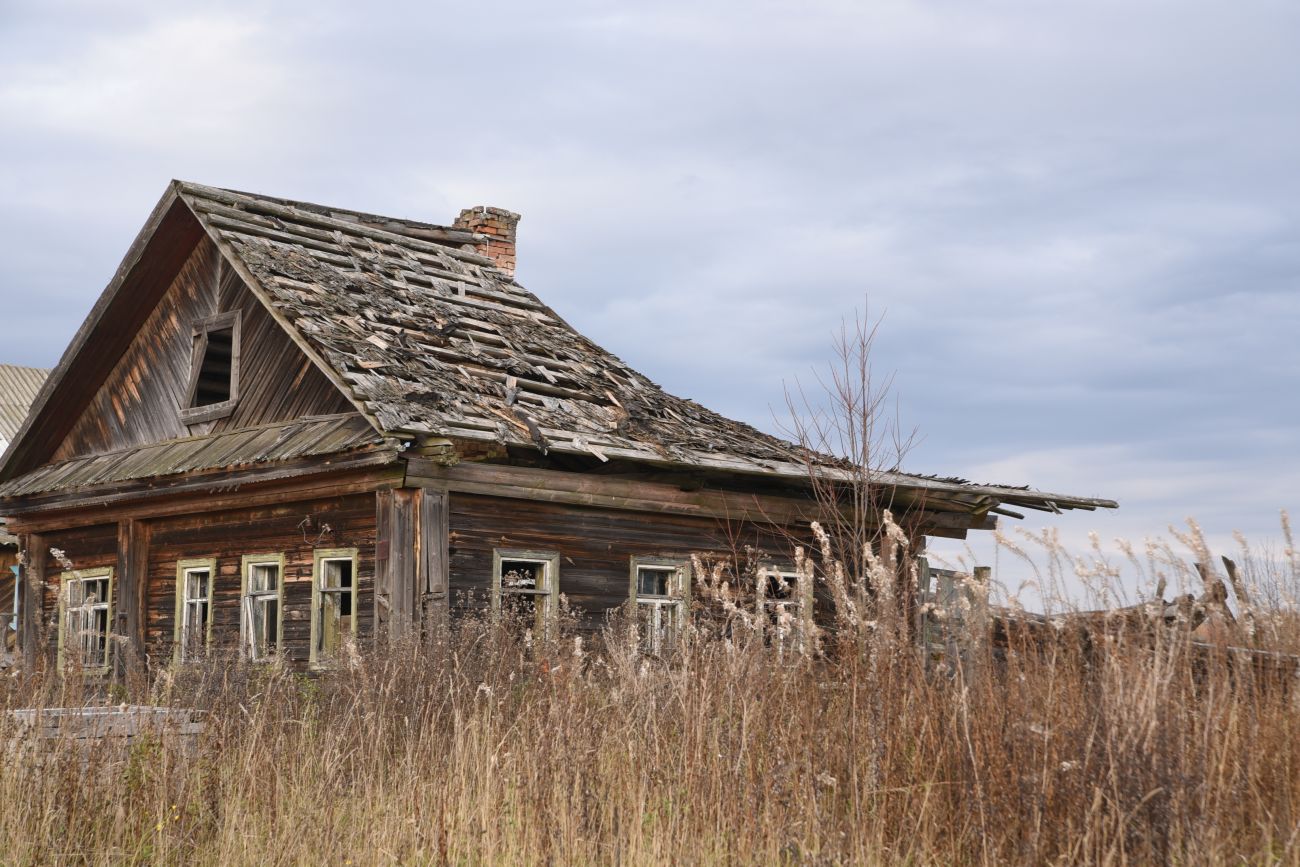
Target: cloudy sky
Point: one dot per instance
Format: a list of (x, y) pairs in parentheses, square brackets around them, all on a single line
[(1078, 220)]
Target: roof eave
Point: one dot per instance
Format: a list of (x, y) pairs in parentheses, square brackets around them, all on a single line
[(20, 446), (989, 497)]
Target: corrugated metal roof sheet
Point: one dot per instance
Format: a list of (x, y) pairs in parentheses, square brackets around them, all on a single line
[(319, 435), (18, 388)]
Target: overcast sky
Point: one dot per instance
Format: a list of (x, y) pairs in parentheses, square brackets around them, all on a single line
[(1079, 220)]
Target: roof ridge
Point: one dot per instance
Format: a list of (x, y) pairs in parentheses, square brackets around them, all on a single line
[(451, 239)]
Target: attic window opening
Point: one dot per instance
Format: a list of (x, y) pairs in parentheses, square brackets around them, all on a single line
[(214, 369)]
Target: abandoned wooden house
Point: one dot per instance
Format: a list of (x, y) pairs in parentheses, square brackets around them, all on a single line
[(284, 427)]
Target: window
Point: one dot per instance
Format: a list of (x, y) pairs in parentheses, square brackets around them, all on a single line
[(783, 601), (9, 611), (333, 602), (263, 595), (213, 388), (85, 602), (525, 585), (193, 606), (660, 593)]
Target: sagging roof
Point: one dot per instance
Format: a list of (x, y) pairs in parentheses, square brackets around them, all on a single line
[(428, 338), (18, 389)]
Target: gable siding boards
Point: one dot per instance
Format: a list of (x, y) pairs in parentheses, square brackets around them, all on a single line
[(140, 400)]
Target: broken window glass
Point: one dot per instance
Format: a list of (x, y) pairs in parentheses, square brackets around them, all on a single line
[(86, 617), (524, 588), (659, 590), (262, 609), (196, 610), (335, 602)]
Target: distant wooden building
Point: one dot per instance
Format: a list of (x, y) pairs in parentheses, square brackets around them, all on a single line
[(285, 425), (18, 388)]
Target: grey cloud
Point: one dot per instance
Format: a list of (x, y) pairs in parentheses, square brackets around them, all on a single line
[(1079, 219)]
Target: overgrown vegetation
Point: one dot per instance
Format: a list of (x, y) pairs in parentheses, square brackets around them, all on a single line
[(490, 748)]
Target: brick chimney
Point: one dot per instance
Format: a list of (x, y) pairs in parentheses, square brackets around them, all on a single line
[(498, 225)]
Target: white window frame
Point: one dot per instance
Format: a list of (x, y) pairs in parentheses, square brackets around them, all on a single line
[(547, 596), (798, 606), (184, 605), (247, 599), (666, 617), (320, 597), (67, 580)]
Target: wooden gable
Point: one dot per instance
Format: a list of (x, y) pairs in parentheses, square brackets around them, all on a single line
[(141, 399)]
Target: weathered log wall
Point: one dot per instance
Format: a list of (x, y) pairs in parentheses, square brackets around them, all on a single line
[(595, 545), (85, 548), (294, 530)]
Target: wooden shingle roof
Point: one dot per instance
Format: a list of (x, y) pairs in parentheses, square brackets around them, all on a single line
[(427, 338), (430, 338)]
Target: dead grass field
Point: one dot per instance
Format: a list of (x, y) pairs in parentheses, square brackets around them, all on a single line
[(482, 750)]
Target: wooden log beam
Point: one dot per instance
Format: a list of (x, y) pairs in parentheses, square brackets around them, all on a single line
[(226, 490), (395, 563), (31, 575), (434, 570), (579, 489), (132, 579)]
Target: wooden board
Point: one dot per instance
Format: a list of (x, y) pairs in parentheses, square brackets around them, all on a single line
[(139, 402), (295, 530), (594, 545)]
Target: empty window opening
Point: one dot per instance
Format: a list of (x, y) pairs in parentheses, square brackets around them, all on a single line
[(87, 598), (659, 591), (524, 588), (213, 384), (263, 594), (214, 369), (334, 606)]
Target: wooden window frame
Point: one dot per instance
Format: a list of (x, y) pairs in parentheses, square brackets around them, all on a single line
[(245, 622), (680, 601), (320, 557), (801, 600), (183, 568), (66, 580), (190, 414), (9, 620), (548, 613)]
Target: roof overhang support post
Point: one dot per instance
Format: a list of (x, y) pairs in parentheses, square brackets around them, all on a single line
[(31, 577), (132, 580)]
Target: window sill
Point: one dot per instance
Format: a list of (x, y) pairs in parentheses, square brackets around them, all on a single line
[(199, 414)]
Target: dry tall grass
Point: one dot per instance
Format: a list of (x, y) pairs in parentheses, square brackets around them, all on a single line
[(484, 750)]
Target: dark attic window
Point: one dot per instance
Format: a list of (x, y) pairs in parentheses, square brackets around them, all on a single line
[(214, 370)]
